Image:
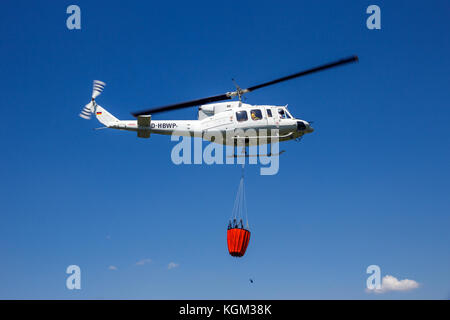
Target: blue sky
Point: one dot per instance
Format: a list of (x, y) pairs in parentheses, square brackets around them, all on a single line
[(369, 186)]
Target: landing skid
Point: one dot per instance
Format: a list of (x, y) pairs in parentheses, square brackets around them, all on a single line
[(256, 155)]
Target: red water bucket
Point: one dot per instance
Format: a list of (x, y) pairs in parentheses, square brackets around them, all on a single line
[(238, 239)]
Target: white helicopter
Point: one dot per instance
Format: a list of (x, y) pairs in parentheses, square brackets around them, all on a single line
[(232, 121)]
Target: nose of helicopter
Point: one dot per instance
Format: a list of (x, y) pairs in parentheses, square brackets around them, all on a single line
[(304, 126)]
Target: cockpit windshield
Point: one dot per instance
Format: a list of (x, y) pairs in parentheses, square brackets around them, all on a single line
[(288, 114)]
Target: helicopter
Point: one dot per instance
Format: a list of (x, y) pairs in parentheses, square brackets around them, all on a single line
[(231, 121)]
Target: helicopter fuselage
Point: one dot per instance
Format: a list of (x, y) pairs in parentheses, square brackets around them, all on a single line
[(227, 123)]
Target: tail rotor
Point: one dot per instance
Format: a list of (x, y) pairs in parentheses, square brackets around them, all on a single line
[(98, 88), (89, 109)]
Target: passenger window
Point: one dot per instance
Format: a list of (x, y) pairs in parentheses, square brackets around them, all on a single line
[(241, 116), (256, 114), (269, 113)]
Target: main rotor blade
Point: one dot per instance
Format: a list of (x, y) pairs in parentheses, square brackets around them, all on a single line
[(181, 105), (239, 92), (304, 73)]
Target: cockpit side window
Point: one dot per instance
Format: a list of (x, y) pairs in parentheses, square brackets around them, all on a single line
[(241, 116), (256, 114), (281, 113), (269, 113)]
